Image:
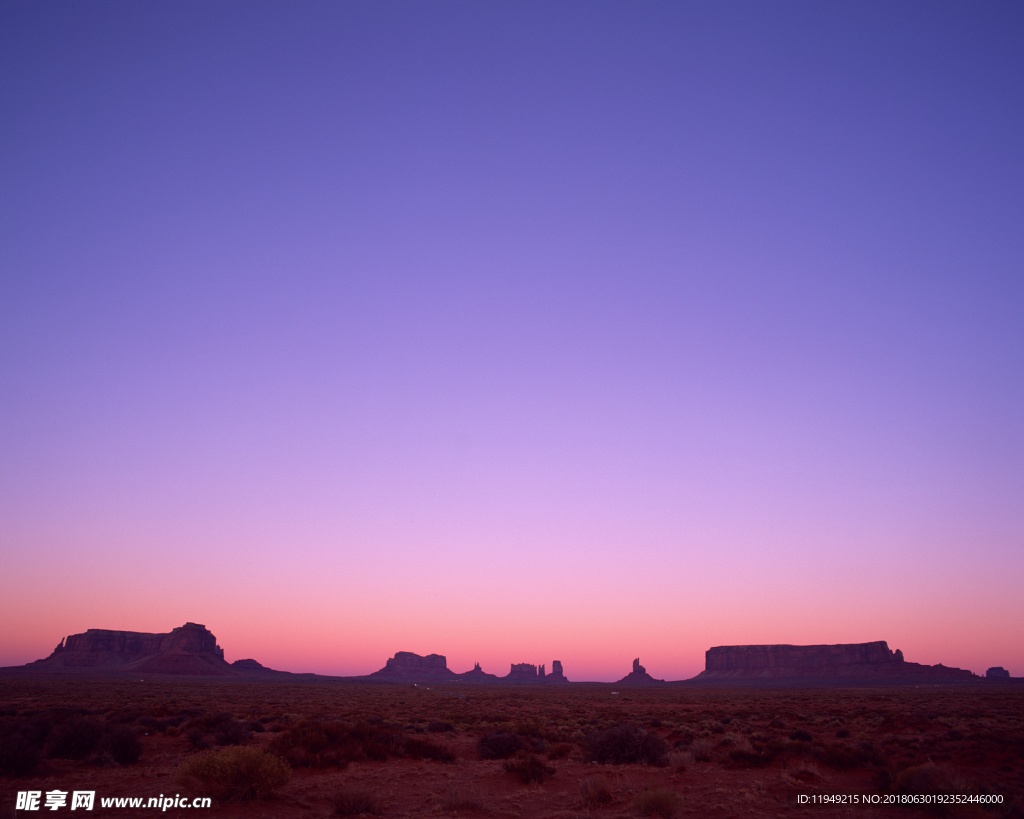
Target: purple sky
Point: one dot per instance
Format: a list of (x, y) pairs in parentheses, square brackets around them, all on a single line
[(513, 331)]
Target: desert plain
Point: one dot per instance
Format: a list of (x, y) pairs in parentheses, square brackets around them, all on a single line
[(403, 750)]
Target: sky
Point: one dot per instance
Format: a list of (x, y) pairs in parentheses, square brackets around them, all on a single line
[(514, 332)]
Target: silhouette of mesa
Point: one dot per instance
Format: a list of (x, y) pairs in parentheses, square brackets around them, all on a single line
[(191, 650)]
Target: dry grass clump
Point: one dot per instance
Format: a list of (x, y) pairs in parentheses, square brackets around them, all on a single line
[(454, 798), (702, 750), (240, 773), (595, 792), (356, 802), (529, 768), (803, 769), (658, 802)]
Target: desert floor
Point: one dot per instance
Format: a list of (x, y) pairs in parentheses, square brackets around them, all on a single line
[(738, 752)]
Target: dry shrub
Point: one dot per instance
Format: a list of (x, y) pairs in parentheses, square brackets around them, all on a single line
[(659, 802), (75, 739), (122, 744), (843, 756), (750, 758), (356, 802), (318, 744), (323, 744), (595, 792), (425, 749), (560, 750), (455, 798), (241, 773), (438, 727), (529, 768), (21, 746), (500, 745), (625, 744), (231, 732), (198, 739), (931, 779)]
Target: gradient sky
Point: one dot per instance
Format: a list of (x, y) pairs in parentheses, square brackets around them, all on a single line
[(514, 331)]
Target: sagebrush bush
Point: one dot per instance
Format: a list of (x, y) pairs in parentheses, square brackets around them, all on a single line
[(231, 732), (21, 746), (313, 743), (529, 768), (240, 773), (500, 745), (438, 727), (425, 749), (198, 739), (317, 744), (750, 758), (122, 744), (931, 779), (625, 744), (75, 739), (560, 750)]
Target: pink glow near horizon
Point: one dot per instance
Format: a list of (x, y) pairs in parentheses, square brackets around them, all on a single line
[(513, 334)]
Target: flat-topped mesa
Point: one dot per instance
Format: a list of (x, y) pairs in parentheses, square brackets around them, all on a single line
[(522, 671), (757, 658), (997, 671), (851, 660), (405, 664), (189, 649)]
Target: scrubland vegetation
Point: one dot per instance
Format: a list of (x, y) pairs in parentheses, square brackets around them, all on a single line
[(394, 750)]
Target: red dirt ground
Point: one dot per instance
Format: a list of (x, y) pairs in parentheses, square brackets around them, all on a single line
[(975, 734)]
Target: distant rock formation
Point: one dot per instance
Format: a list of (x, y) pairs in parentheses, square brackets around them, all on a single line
[(477, 674), (853, 661), (252, 667), (408, 666), (997, 671), (189, 649), (528, 672), (638, 676), (522, 671)]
